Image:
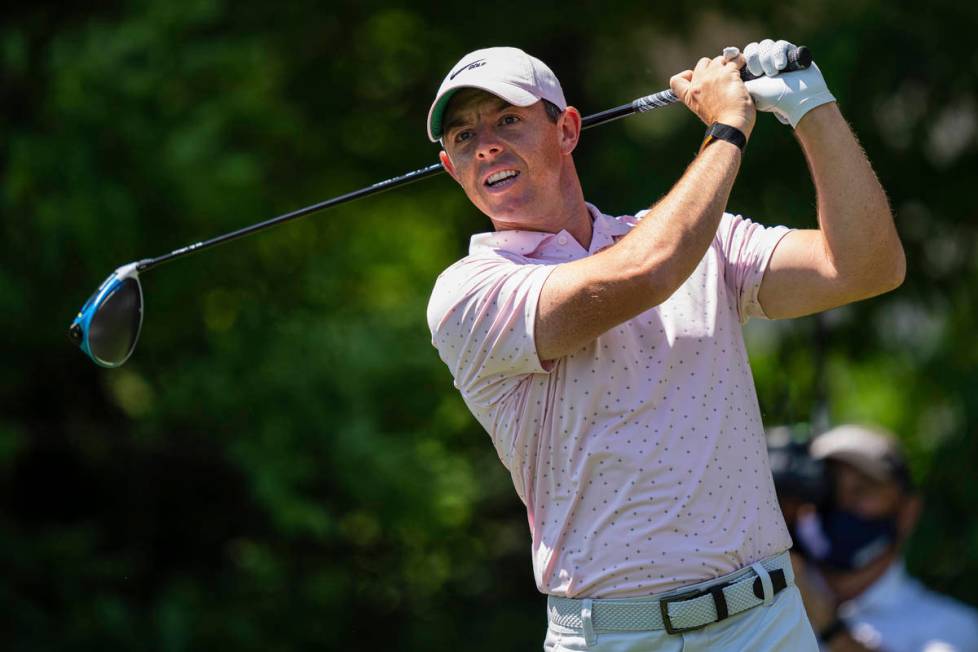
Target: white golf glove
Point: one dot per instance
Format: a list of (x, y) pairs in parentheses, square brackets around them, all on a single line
[(788, 95)]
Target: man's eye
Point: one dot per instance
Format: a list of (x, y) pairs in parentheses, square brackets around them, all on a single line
[(509, 120), (462, 136)]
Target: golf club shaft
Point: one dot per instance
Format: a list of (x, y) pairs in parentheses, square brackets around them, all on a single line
[(662, 98), (380, 186), (797, 58)]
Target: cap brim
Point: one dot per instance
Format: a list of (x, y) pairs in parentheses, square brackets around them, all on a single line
[(859, 447), (875, 469), (512, 94)]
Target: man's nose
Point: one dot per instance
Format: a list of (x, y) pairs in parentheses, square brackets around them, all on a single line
[(488, 145)]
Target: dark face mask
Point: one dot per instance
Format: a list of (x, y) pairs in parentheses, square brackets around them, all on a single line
[(844, 541)]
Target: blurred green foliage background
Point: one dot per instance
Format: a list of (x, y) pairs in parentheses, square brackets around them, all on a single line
[(284, 463)]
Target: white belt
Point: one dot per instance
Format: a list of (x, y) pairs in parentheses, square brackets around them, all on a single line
[(682, 610)]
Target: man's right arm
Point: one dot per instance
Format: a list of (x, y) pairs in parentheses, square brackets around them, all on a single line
[(585, 298)]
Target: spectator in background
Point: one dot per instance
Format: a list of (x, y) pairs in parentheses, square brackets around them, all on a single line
[(849, 531)]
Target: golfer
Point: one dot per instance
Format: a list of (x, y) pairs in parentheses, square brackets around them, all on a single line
[(604, 355)]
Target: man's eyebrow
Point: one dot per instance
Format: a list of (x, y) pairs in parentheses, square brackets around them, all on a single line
[(451, 123), (454, 119)]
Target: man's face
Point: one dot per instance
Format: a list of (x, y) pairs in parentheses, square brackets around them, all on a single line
[(870, 498), (507, 158), (873, 500), (861, 494)]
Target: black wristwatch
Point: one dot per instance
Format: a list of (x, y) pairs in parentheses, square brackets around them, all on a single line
[(720, 131)]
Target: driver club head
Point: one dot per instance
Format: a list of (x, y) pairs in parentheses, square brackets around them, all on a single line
[(108, 325)]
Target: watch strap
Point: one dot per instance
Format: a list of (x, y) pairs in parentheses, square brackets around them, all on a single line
[(720, 131)]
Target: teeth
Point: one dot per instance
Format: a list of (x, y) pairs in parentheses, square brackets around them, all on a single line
[(499, 176)]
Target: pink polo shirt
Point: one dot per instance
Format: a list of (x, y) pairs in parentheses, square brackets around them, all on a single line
[(641, 457)]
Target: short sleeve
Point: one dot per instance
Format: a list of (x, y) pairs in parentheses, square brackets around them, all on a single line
[(746, 249), (482, 314)]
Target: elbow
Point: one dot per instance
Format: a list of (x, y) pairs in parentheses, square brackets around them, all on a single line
[(898, 269), (868, 273), (884, 272), (891, 265), (895, 259), (885, 267)]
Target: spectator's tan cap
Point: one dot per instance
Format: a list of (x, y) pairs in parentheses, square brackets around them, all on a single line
[(872, 450), (509, 73)]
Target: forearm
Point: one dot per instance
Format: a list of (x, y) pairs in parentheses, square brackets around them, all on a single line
[(585, 298), (676, 232), (674, 235), (860, 239)]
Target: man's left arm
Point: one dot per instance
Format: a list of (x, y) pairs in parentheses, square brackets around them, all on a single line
[(856, 252)]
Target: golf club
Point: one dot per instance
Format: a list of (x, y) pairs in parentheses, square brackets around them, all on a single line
[(107, 327)]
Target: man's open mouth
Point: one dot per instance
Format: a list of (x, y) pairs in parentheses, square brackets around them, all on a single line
[(501, 178)]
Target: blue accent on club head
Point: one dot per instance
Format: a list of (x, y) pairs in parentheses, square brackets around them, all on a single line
[(81, 325)]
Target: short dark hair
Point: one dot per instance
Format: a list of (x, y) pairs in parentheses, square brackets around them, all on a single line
[(553, 111)]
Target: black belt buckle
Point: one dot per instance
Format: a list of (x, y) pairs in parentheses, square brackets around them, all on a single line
[(719, 601)]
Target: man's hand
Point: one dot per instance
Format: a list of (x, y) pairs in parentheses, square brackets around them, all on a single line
[(790, 95), (715, 92), (767, 57)]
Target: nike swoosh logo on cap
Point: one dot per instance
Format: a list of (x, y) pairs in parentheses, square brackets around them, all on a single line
[(475, 64)]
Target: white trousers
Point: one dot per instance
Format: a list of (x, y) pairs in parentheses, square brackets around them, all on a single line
[(781, 627)]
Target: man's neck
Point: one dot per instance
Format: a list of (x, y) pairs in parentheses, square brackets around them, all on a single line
[(569, 213), (581, 225)]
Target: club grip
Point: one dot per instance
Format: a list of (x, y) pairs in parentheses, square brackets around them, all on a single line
[(799, 58)]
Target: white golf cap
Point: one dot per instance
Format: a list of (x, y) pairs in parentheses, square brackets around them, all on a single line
[(508, 73), (872, 450)]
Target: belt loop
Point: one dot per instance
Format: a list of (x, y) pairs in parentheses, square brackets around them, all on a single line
[(766, 583), (588, 625), (789, 570)]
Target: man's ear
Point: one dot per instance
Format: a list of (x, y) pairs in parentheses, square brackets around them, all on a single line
[(569, 124), (447, 164)]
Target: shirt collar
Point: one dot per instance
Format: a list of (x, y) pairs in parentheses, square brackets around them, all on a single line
[(541, 244)]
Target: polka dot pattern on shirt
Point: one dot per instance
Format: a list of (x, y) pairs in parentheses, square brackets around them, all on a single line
[(640, 457)]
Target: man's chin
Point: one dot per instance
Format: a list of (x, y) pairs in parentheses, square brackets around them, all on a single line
[(511, 211)]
